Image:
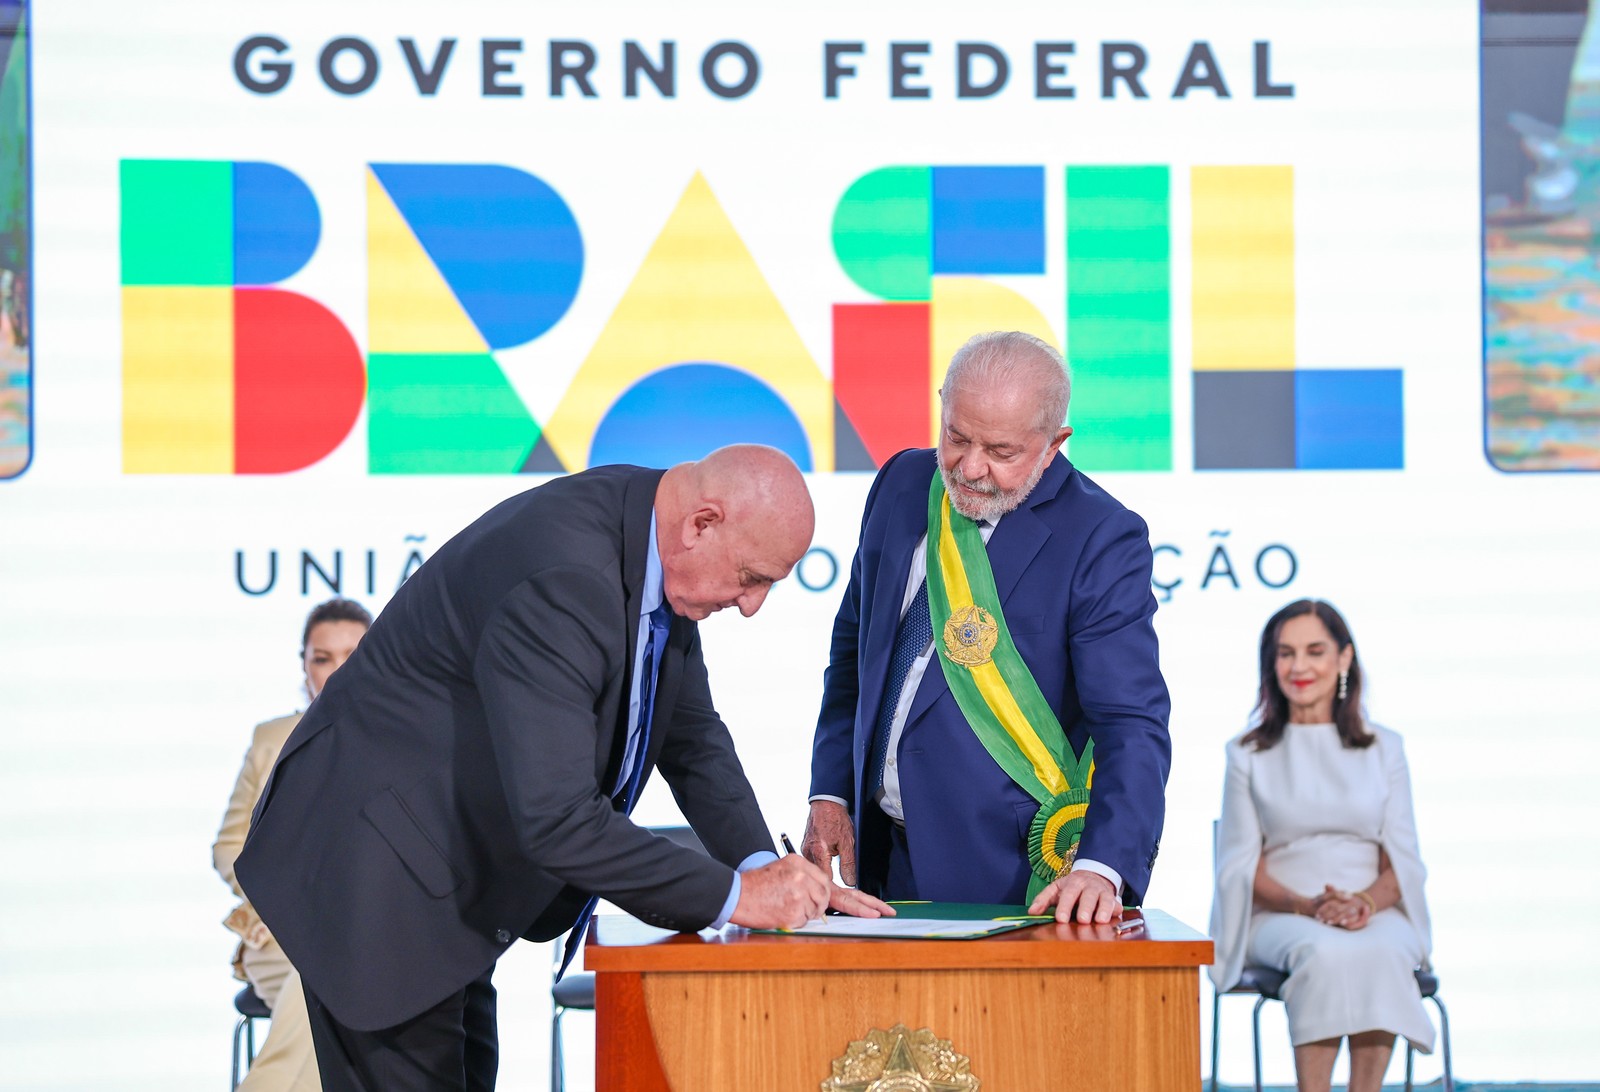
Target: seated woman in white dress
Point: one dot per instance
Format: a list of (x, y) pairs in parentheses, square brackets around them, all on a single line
[(1318, 871)]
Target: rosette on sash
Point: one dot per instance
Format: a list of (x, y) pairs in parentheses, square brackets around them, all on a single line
[(997, 693)]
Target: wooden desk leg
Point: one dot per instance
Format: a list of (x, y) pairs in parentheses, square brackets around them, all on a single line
[(625, 1057)]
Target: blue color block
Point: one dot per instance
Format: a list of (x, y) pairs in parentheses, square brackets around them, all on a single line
[(276, 224), (686, 411), (988, 220), (504, 241), (1349, 420)]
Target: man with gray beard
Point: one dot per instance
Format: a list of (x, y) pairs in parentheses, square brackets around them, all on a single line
[(994, 720)]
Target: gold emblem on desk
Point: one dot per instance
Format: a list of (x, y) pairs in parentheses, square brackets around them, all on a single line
[(970, 636), (901, 1060)]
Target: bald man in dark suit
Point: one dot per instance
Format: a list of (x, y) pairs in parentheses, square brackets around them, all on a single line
[(466, 778)]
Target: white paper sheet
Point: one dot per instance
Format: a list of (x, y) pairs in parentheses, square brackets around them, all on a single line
[(902, 928)]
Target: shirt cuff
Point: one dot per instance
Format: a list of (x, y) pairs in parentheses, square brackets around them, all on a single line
[(841, 801), (757, 859), (1083, 864)]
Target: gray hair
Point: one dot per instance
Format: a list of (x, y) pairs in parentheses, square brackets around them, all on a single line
[(1007, 357)]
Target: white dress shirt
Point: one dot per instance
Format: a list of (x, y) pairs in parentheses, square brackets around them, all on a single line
[(651, 596)]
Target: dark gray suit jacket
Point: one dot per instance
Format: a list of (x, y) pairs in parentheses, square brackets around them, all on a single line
[(448, 792)]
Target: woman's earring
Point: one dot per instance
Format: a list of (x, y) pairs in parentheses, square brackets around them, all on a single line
[(1344, 685)]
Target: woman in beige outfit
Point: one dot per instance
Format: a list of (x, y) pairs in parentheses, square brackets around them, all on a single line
[(287, 1061)]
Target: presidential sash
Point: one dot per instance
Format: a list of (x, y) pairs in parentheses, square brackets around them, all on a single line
[(997, 693)]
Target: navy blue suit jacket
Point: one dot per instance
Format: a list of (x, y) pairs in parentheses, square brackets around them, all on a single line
[(1072, 567)]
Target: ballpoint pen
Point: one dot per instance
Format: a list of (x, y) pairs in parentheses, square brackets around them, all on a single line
[(1127, 925)]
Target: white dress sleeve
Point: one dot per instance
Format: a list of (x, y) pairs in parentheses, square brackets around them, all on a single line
[(1399, 837), (1238, 850)]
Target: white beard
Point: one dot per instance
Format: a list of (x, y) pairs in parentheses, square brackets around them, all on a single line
[(998, 501)]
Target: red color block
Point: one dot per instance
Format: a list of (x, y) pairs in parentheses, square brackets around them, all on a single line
[(880, 374), (298, 381)]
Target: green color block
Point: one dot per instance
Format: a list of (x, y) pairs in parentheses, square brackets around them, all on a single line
[(444, 413), (177, 222), (15, 231), (1119, 317), (883, 234)]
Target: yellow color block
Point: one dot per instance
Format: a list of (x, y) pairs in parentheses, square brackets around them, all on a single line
[(963, 306), (177, 380), (410, 308), (1243, 268), (698, 297)]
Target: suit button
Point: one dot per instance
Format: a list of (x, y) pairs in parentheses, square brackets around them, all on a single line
[(503, 936)]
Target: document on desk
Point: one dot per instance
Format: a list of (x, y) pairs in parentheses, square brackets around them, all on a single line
[(940, 924)]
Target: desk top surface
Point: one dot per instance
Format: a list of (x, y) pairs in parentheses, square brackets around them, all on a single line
[(620, 943)]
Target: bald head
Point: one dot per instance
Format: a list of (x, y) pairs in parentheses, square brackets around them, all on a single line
[(730, 526), (761, 489)]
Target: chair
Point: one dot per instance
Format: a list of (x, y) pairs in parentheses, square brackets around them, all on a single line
[(1267, 985), (576, 990), (250, 1009)]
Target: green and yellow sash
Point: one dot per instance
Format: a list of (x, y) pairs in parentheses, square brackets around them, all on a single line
[(997, 693)]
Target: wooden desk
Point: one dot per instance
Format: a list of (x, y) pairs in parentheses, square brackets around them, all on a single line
[(1049, 1007)]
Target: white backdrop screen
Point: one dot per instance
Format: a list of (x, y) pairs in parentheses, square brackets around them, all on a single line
[(317, 283)]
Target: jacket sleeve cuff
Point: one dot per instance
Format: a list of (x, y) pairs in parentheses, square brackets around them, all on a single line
[(1083, 864)]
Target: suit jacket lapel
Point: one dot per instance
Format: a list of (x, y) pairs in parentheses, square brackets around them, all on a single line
[(638, 501), (1021, 534), (907, 522)]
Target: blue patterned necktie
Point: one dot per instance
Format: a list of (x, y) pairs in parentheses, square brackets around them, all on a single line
[(655, 641), (628, 791), (910, 641)]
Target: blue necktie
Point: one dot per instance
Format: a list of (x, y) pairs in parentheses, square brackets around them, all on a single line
[(655, 640), (910, 641)]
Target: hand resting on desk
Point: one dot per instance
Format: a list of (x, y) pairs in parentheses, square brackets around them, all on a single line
[(1092, 894), (792, 891)]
